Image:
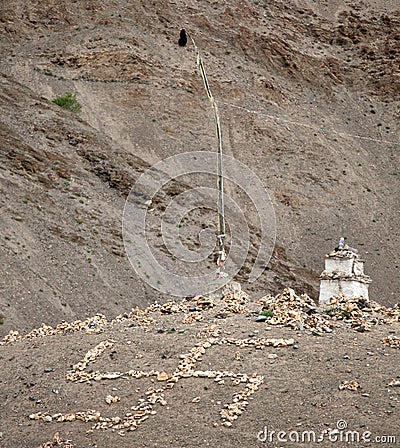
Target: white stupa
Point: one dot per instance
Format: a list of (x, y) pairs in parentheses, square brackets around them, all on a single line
[(343, 274)]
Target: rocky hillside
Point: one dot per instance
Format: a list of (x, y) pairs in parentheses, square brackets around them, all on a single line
[(308, 98)]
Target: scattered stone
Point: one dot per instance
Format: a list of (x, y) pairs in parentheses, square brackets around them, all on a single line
[(192, 317), (392, 341), (97, 323), (298, 312), (112, 399), (162, 376), (349, 385), (57, 442)]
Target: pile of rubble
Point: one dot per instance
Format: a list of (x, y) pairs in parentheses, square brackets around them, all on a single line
[(300, 312), (91, 325), (231, 300), (392, 341), (286, 309), (362, 315)]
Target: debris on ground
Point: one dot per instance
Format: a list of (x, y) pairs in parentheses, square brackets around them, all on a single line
[(57, 442), (285, 309), (187, 368), (362, 315), (90, 325), (392, 341), (300, 312), (349, 385), (110, 399)]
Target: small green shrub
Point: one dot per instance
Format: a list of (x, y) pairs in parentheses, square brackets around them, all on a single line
[(69, 102), (346, 314), (337, 311), (332, 311), (267, 313)]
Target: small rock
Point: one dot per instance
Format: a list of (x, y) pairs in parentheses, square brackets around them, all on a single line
[(162, 376), (272, 356), (295, 347), (112, 399), (260, 318)]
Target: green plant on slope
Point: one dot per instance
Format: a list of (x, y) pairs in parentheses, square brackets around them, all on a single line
[(69, 102)]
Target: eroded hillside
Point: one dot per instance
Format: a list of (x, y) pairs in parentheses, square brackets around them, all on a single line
[(308, 98)]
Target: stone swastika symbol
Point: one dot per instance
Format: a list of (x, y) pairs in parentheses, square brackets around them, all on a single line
[(186, 368)]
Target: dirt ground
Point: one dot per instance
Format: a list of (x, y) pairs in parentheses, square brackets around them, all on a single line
[(300, 387)]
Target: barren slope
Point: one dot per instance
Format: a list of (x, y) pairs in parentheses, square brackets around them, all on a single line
[(309, 96), (309, 100)]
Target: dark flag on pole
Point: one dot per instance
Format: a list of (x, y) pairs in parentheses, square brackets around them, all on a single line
[(182, 38)]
